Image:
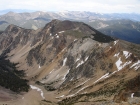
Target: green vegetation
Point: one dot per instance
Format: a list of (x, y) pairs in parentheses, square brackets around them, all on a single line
[(133, 83), (10, 77), (47, 101), (102, 38), (49, 88), (108, 90)]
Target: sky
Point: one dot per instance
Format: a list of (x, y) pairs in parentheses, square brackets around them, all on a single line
[(100, 6)]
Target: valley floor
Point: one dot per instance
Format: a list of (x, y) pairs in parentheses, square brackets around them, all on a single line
[(34, 97)]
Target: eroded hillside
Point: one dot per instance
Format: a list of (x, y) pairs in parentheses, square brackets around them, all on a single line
[(71, 63)]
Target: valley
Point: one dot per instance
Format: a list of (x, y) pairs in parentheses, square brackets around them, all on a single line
[(71, 63)]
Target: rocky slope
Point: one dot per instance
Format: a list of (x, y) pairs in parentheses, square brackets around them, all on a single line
[(71, 63)]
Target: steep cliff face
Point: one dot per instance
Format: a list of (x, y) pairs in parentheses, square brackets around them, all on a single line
[(72, 60)]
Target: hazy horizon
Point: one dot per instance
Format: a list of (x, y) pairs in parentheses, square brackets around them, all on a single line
[(5, 11), (100, 6)]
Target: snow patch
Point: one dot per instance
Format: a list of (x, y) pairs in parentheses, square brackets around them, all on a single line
[(77, 59), (103, 77), (50, 34), (61, 32), (51, 71), (126, 54), (49, 28), (64, 49), (75, 40), (80, 64), (81, 89), (71, 78), (125, 64), (71, 95), (57, 36), (77, 91), (115, 42), (132, 95), (83, 83), (60, 96), (136, 65), (81, 61), (86, 58), (39, 67), (38, 89), (116, 55), (119, 64), (99, 44), (113, 72), (65, 75), (64, 61)]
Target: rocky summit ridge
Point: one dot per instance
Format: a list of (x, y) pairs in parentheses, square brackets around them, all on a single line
[(71, 63)]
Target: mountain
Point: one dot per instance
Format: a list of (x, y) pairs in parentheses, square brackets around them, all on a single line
[(26, 20), (123, 26), (14, 10), (82, 15), (91, 16), (39, 19), (32, 20), (128, 32), (68, 62), (123, 29)]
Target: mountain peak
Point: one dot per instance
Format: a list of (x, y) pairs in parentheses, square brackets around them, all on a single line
[(10, 13), (75, 60), (12, 28), (77, 29)]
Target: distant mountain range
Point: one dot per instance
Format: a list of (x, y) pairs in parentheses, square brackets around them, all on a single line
[(81, 15), (15, 10), (123, 29), (124, 26)]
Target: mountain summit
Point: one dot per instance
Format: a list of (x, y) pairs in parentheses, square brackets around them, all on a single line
[(69, 62)]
